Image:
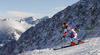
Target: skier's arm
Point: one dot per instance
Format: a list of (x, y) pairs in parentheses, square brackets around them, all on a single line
[(65, 32)]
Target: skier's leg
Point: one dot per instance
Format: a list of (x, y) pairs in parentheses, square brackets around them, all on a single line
[(75, 39), (68, 39)]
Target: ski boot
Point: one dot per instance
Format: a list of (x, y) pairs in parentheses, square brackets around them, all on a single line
[(72, 43), (79, 41)]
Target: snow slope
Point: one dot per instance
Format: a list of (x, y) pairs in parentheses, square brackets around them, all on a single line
[(90, 48)]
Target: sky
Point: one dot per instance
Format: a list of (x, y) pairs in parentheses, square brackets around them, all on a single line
[(35, 8)]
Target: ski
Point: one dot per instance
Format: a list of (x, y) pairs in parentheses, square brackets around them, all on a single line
[(67, 46)]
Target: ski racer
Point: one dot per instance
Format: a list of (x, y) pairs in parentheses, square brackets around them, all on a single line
[(72, 37)]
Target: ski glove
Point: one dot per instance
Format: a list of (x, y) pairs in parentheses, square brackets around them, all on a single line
[(78, 30), (63, 38)]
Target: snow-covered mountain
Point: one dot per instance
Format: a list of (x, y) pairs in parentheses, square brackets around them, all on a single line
[(11, 29), (46, 35), (29, 20), (32, 20)]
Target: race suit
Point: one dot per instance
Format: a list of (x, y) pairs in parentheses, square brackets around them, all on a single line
[(72, 35)]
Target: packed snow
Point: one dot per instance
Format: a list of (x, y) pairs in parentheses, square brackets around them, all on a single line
[(91, 47)]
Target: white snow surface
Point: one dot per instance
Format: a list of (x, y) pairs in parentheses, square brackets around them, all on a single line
[(89, 48)]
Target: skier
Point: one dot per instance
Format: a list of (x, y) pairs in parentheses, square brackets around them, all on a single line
[(72, 37)]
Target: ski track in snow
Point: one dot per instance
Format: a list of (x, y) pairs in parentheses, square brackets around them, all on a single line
[(90, 48)]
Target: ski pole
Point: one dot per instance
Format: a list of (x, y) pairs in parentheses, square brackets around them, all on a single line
[(88, 30)]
